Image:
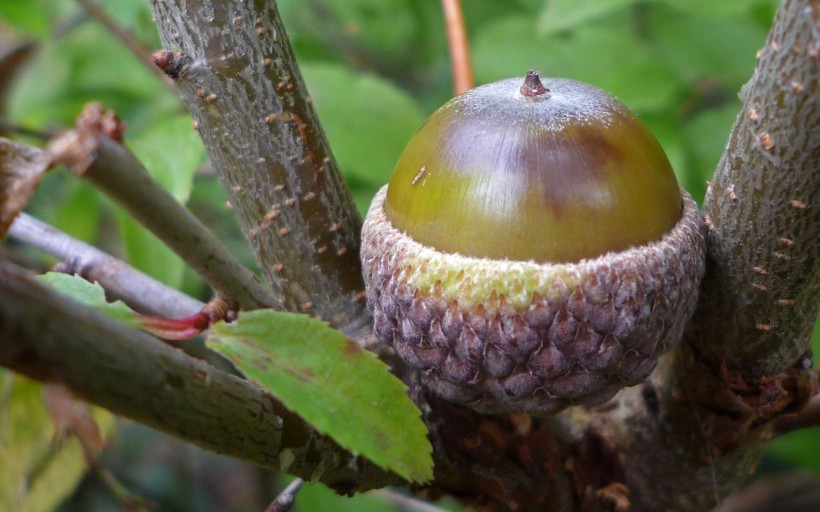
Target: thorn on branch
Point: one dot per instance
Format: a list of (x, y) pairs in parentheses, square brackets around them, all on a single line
[(766, 141), (174, 65)]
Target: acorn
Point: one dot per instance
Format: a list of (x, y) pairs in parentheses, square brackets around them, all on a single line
[(533, 249)]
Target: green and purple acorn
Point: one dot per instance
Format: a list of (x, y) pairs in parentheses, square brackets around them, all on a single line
[(533, 249)]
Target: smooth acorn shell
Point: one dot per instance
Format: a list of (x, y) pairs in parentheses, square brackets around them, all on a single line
[(519, 330), (557, 177)]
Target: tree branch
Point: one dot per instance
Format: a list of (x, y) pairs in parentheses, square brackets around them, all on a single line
[(120, 280), (49, 337), (238, 77), (94, 150), (761, 293), (695, 431), (682, 441)]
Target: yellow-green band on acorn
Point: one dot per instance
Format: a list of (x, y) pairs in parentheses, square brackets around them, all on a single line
[(533, 249)]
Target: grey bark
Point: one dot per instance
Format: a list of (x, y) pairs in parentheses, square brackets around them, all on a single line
[(120, 280), (762, 293), (241, 84)]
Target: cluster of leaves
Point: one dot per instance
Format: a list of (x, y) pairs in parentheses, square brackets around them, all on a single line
[(376, 69)]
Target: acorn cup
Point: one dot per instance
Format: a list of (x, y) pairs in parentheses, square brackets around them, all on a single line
[(533, 249)]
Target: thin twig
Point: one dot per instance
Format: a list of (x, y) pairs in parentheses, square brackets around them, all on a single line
[(99, 14), (89, 152), (286, 498), (120, 280), (459, 48), (406, 502)]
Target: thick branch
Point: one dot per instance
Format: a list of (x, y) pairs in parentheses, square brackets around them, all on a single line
[(696, 430), (47, 336), (762, 289), (239, 79)]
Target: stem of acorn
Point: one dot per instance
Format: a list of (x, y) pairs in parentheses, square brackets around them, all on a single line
[(532, 85)]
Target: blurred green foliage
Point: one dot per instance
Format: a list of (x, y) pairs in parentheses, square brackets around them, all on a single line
[(376, 69)]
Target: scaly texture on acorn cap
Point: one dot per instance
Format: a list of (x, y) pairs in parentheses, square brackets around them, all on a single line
[(502, 335)]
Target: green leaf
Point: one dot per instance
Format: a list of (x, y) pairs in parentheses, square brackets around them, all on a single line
[(704, 137), (36, 474), (667, 130), (379, 33), (331, 382), (716, 9), (319, 497), (561, 15), (509, 47), (368, 120), (172, 151), (798, 448), (31, 16), (79, 211), (90, 294), (688, 45), (150, 254), (87, 64)]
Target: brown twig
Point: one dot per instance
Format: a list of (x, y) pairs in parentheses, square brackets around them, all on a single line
[(99, 14), (459, 48), (808, 417)]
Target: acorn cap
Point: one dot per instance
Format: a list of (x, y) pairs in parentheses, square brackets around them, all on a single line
[(526, 333)]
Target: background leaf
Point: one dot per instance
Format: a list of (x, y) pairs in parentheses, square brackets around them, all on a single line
[(567, 14), (172, 151), (368, 124), (336, 386), (36, 473)]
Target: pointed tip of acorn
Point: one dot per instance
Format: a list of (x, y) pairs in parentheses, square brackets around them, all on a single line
[(532, 86)]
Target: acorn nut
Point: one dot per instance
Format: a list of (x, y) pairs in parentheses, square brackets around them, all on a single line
[(533, 249)]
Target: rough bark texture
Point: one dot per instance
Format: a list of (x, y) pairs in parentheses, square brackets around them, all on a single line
[(696, 430), (762, 292), (239, 80)]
